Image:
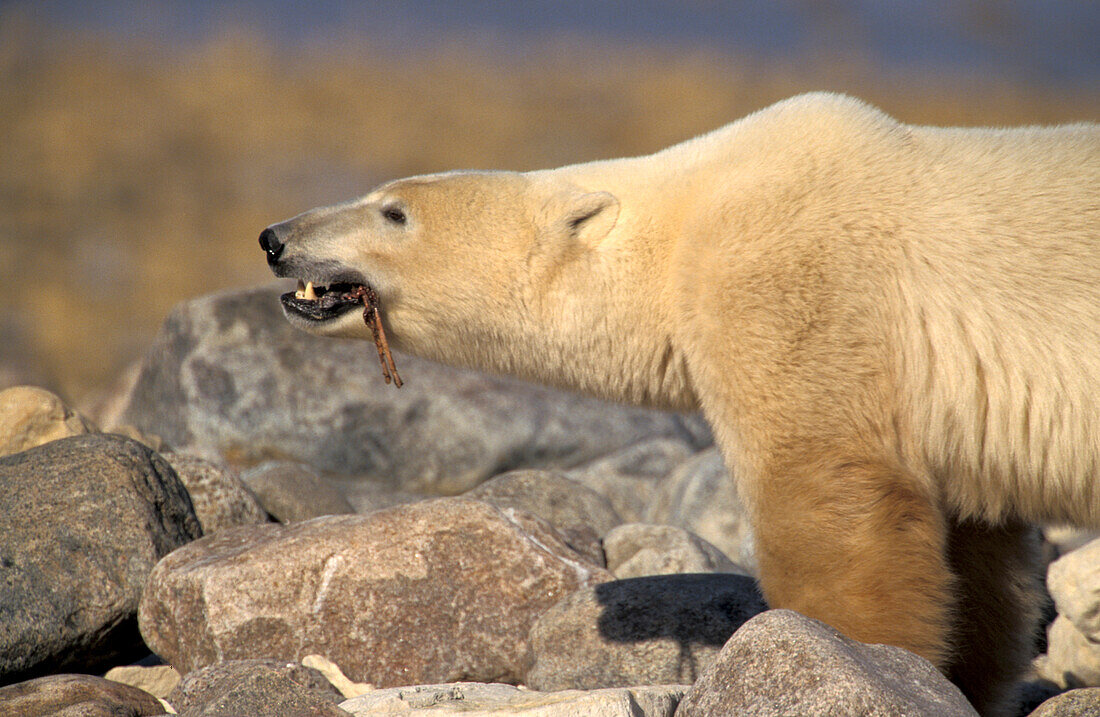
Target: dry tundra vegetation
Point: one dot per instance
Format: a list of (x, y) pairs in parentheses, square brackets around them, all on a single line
[(134, 176)]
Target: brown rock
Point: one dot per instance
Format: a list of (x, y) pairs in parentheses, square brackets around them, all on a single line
[(158, 680), (782, 663), (76, 696), (631, 477), (256, 688), (292, 492), (83, 521), (336, 676), (220, 498), (579, 513), (440, 590), (367, 496), (701, 496), (635, 550), (31, 416), (1075, 703)]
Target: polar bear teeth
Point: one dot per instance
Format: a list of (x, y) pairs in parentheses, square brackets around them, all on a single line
[(305, 291), (328, 296)]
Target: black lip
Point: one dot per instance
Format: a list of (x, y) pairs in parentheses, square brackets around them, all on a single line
[(333, 301), (319, 272)]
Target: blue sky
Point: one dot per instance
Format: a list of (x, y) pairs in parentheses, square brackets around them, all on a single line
[(1040, 41)]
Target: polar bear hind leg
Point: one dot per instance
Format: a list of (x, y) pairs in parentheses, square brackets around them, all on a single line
[(864, 547), (999, 603)]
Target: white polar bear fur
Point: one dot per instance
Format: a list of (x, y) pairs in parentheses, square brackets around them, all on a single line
[(844, 296)]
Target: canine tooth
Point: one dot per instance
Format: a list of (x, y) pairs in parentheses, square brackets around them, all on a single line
[(300, 293), (309, 294)]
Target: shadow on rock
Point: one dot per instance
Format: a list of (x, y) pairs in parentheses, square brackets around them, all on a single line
[(663, 629), (693, 609)]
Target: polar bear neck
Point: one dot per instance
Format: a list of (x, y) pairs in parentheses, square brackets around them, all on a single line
[(601, 323), (621, 346)]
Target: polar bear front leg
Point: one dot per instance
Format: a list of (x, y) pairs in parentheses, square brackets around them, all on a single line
[(858, 544)]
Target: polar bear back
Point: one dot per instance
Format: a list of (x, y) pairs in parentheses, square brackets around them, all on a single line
[(982, 245)]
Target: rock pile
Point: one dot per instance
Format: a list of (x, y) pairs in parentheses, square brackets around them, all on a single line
[(596, 562)]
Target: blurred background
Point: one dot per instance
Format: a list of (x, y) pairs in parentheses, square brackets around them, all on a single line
[(144, 145)]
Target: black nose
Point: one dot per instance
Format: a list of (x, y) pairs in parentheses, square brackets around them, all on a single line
[(271, 244)]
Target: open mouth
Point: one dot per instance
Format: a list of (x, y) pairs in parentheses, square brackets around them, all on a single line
[(323, 303)]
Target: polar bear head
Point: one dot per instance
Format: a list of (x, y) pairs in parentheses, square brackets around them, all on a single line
[(471, 268)]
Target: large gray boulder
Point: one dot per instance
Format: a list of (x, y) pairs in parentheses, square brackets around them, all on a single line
[(228, 374), (782, 663), (436, 591), (84, 520)]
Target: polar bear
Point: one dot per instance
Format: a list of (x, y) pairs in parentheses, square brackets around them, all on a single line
[(894, 331)]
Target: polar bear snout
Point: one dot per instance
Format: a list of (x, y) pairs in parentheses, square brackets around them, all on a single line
[(272, 246)]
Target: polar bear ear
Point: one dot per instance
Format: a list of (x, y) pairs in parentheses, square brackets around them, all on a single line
[(582, 216)]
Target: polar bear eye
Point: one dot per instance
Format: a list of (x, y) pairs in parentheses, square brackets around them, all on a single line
[(394, 215)]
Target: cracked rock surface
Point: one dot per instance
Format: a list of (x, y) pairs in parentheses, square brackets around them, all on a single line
[(436, 591)]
